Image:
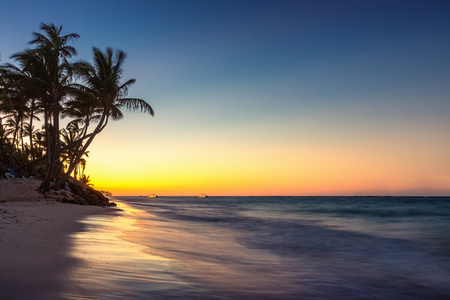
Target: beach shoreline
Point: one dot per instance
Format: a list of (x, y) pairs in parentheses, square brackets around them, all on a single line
[(36, 241), (225, 248)]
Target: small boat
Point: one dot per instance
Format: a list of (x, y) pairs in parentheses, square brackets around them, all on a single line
[(202, 196), (152, 196)]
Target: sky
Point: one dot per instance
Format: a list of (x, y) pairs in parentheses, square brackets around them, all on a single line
[(266, 97)]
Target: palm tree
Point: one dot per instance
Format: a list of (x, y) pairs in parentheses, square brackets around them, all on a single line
[(29, 131), (22, 96), (5, 147), (41, 82), (15, 104), (69, 136), (83, 108), (86, 180), (39, 137), (52, 72), (102, 82)]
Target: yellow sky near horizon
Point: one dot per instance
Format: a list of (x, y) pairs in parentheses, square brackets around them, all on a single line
[(243, 163)]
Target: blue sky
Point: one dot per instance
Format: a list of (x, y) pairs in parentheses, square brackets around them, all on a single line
[(362, 85)]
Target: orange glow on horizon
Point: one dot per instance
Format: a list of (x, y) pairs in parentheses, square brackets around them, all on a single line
[(228, 164), (321, 174)]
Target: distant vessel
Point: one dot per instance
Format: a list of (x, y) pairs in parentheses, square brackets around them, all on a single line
[(202, 196), (152, 196)]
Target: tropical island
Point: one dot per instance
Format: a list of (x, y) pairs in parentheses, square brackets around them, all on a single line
[(46, 86)]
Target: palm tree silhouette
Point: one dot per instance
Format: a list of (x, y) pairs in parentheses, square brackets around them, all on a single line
[(86, 180), (51, 73), (69, 135), (19, 100), (102, 82), (42, 82)]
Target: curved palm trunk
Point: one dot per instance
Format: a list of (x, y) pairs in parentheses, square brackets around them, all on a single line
[(79, 154)]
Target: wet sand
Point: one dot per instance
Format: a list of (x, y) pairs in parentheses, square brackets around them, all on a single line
[(113, 268)]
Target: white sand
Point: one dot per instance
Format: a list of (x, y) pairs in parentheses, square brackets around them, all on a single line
[(35, 242)]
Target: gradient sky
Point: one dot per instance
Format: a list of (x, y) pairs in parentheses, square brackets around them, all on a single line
[(266, 97)]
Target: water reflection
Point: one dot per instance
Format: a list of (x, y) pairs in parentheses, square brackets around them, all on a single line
[(185, 249), (112, 268)]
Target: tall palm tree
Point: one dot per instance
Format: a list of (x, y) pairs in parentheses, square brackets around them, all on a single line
[(102, 80), (50, 70)]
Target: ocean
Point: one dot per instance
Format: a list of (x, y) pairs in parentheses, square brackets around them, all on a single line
[(266, 248)]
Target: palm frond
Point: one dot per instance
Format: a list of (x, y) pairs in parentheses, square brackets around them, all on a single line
[(135, 104)]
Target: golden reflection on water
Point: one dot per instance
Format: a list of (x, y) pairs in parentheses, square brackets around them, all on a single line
[(106, 260), (124, 256), (215, 258)]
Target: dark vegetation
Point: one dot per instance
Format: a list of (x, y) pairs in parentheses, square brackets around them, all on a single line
[(44, 85)]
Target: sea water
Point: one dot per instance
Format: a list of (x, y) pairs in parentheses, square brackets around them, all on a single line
[(266, 248)]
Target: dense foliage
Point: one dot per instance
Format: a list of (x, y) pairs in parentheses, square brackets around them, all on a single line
[(45, 85)]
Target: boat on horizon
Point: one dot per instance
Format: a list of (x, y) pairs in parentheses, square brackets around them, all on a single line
[(202, 196), (152, 196)]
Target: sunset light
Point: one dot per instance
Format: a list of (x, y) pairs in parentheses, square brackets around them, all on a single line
[(225, 149)]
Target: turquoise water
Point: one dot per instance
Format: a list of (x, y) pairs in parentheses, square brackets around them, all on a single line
[(267, 248)]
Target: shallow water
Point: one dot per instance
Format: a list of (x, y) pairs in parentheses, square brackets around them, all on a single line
[(266, 248)]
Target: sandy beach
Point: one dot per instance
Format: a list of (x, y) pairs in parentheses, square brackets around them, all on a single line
[(223, 247), (35, 241)]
